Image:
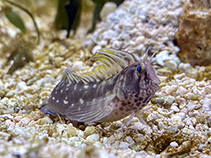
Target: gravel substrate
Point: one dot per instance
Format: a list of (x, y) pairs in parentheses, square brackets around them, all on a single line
[(178, 119)]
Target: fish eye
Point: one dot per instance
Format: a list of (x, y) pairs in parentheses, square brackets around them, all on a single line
[(139, 68)]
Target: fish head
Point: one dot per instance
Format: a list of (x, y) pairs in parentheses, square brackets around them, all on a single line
[(139, 80)]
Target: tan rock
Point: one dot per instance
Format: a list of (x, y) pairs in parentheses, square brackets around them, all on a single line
[(194, 35)]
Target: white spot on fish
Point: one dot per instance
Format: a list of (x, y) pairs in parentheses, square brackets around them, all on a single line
[(66, 89), (94, 86), (65, 101), (110, 81), (57, 87), (86, 86), (79, 109), (61, 91), (53, 98), (56, 92), (72, 105), (66, 97), (57, 101), (81, 101), (69, 84), (75, 87)]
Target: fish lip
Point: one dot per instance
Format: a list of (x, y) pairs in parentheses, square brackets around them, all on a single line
[(157, 81)]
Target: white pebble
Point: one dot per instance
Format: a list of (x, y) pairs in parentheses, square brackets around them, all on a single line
[(184, 66), (98, 144), (22, 85), (138, 126), (207, 104), (124, 145), (174, 144), (175, 108), (107, 9), (181, 90), (181, 115), (116, 44), (104, 140), (176, 118), (161, 125), (175, 58), (179, 76), (188, 121), (92, 138), (111, 139), (129, 140), (172, 65), (12, 32), (161, 57), (152, 116), (201, 146), (139, 40), (120, 135), (191, 106), (78, 65), (94, 50), (116, 144)]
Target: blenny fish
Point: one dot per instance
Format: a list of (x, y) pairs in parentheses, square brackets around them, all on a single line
[(118, 86)]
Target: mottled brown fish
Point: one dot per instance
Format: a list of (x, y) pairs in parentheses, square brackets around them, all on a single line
[(117, 87)]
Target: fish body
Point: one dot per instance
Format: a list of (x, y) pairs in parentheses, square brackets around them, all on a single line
[(92, 98)]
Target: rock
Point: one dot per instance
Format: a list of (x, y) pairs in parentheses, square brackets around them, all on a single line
[(184, 66), (177, 118), (107, 9), (94, 50), (194, 34), (110, 140), (201, 146), (191, 106), (92, 138), (166, 101), (175, 108), (22, 85), (78, 65), (172, 65), (124, 145), (152, 116), (207, 104), (10, 94), (45, 120), (174, 144), (72, 131), (138, 126), (162, 57), (93, 152), (165, 59), (129, 140), (89, 131), (2, 94)]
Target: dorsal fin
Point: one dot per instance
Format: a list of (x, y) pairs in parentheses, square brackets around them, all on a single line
[(70, 76), (121, 58), (106, 62)]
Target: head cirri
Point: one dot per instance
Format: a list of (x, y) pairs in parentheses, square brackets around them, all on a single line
[(138, 83)]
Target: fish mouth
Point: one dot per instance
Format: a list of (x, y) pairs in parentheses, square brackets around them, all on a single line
[(45, 109), (157, 87), (156, 80)]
